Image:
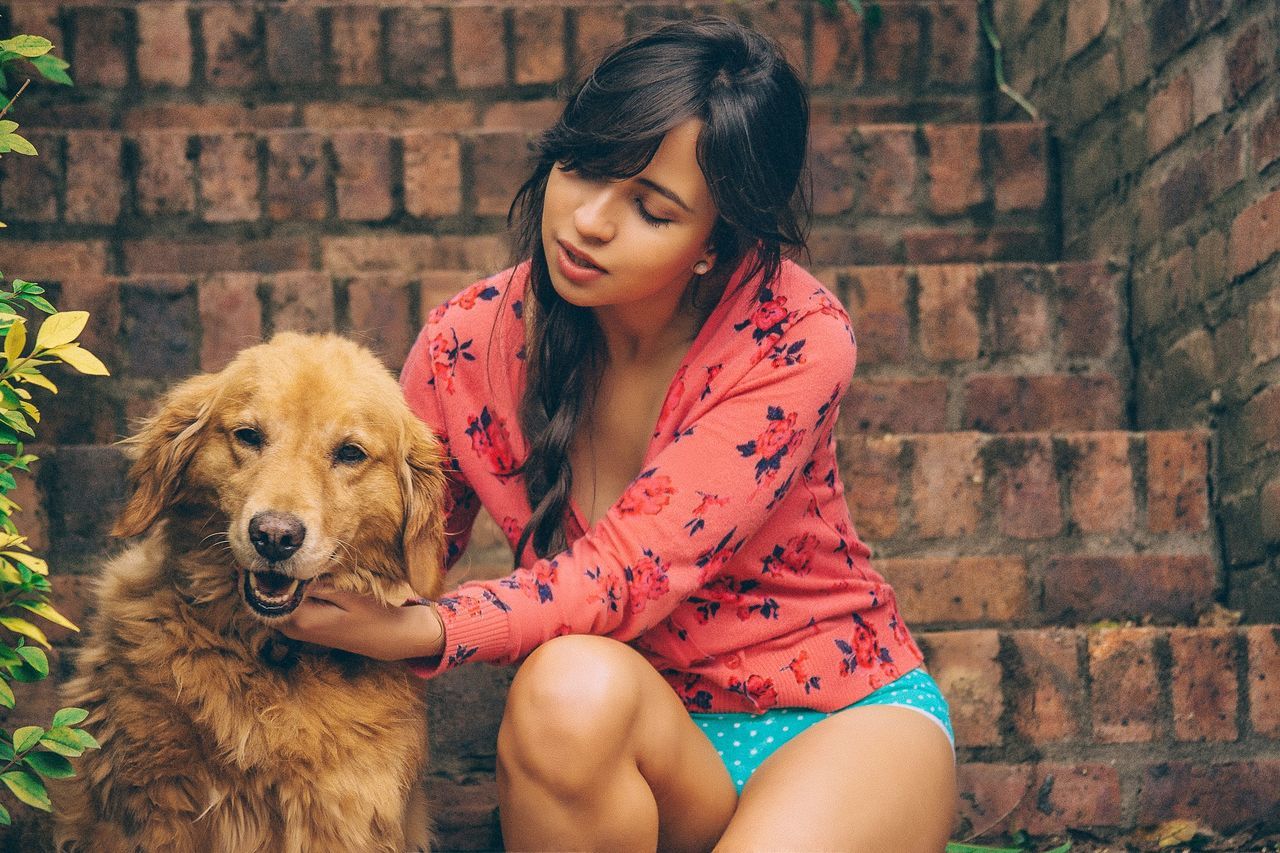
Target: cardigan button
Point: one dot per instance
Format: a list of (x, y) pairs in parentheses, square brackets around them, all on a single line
[(733, 661)]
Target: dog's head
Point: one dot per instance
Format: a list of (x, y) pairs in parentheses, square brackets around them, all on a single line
[(305, 451)]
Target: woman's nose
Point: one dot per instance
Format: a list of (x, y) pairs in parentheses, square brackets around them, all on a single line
[(593, 217)]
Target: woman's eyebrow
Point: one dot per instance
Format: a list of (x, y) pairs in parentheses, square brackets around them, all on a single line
[(663, 191)]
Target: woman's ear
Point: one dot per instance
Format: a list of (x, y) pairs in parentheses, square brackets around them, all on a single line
[(163, 448), (423, 485)]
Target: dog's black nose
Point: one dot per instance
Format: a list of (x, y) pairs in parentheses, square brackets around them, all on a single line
[(276, 535)]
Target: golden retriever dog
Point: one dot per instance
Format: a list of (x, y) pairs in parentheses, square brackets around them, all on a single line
[(298, 461)]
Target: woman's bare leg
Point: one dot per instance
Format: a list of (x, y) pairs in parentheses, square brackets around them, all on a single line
[(596, 752)]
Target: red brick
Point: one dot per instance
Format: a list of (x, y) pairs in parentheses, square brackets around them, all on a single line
[(1029, 493), (877, 303), (378, 310), (164, 44), (53, 260), (500, 164), (1177, 481), (404, 115), (1122, 671), (989, 793), (415, 46), (99, 296), (600, 25), (965, 665), (871, 467), (100, 49), (953, 50), (432, 174), (1075, 796), (1169, 114), (1266, 135), (1248, 60), (896, 45), (363, 175), (949, 245), (885, 165), (1255, 234), (166, 173), (1166, 586), (1225, 795), (955, 179), (207, 118), (479, 52), (957, 589), (232, 47), (1020, 166), (435, 287), (94, 186), (948, 305), (839, 245), (838, 54), (831, 168), (1264, 679), (895, 405), (1264, 328), (488, 252), (381, 253), (947, 485), (301, 302), (1088, 310), (37, 701), (229, 178), (294, 45), (785, 24), (296, 176), (1262, 419), (1101, 482), (521, 115), (1048, 692), (230, 317), (1032, 403), (38, 17), (1020, 312), (356, 45), (30, 184), (73, 597), (161, 255), (1086, 20), (1204, 683), (539, 45)]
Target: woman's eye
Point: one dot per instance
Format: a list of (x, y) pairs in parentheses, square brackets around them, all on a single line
[(349, 454), (248, 436), (649, 217)]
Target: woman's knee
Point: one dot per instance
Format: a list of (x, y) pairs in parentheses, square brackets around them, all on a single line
[(573, 699)]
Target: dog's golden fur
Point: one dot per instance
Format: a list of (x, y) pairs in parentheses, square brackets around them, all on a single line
[(217, 733)]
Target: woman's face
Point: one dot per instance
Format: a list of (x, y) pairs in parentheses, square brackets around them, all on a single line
[(621, 242)]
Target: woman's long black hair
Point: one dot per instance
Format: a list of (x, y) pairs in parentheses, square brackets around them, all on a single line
[(755, 117)]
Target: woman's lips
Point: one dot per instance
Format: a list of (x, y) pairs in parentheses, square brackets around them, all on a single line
[(576, 266)]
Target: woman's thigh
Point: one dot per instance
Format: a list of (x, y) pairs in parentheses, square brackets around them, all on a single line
[(609, 720), (875, 778)]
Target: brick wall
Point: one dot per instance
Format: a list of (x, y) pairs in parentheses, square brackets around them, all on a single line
[(1167, 114)]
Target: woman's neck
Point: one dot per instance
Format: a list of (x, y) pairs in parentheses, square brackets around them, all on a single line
[(643, 332)]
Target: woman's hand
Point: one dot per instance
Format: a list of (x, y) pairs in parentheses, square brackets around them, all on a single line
[(361, 624)]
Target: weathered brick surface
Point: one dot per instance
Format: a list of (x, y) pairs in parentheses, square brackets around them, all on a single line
[(1124, 698), (965, 665), (1204, 684), (1048, 690)]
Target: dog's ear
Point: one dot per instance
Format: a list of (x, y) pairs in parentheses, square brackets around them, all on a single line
[(162, 449), (423, 484)]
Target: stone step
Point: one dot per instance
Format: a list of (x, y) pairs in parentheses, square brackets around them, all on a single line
[(925, 59), (882, 193)]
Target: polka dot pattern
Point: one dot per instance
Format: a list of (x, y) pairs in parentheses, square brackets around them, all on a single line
[(767, 732)]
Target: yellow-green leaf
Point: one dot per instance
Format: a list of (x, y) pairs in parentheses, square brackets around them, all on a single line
[(8, 573), (6, 694), (26, 737), (31, 561), (61, 740), (81, 359), (14, 340), (43, 608), (37, 378), (27, 46), (27, 788), (61, 328), (26, 629)]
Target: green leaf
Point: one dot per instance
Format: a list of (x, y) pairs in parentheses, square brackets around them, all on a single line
[(26, 737), (61, 328), (81, 359), (43, 608), (5, 820), (7, 482), (6, 748), (53, 69), (7, 699), (27, 46), (31, 561), (17, 144), (15, 340), (85, 739), (61, 740), (70, 716), (38, 302), (50, 765), (27, 788), (7, 126), (26, 629), (35, 658), (15, 420), (35, 377)]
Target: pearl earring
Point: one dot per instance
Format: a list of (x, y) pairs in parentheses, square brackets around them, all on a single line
[(701, 267)]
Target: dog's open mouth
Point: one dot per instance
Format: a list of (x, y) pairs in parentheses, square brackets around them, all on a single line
[(273, 593)]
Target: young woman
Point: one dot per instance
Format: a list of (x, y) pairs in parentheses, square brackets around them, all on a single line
[(647, 405)]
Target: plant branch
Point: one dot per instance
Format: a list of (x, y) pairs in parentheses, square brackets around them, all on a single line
[(984, 14), (25, 84)]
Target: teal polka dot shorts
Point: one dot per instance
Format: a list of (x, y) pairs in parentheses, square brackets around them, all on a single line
[(744, 741)]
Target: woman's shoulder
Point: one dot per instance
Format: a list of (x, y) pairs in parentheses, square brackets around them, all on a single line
[(479, 304)]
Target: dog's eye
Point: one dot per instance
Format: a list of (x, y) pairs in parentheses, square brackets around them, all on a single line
[(248, 436), (349, 454)]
